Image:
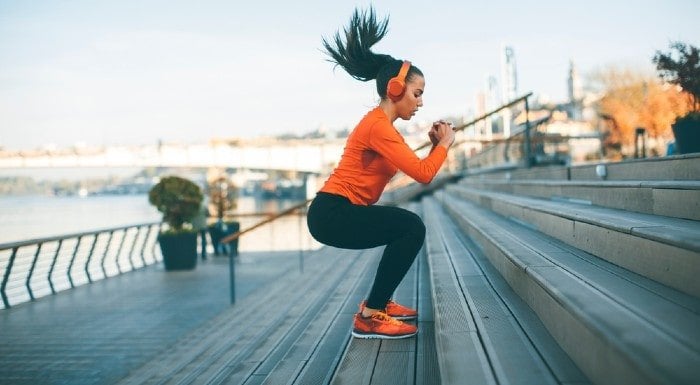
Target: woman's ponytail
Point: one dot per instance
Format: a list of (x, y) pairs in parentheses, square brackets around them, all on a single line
[(355, 55)]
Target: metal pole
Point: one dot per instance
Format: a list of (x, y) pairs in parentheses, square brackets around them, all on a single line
[(301, 239), (87, 263), (6, 277), (232, 275), (53, 264), (104, 255), (31, 271), (133, 247), (528, 148), (70, 265), (119, 251), (145, 242)]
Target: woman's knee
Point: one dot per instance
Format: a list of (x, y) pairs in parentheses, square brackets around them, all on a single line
[(416, 227)]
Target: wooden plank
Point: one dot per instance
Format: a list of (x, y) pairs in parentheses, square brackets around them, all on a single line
[(230, 328), (294, 316), (459, 350), (322, 364), (294, 355), (427, 366)]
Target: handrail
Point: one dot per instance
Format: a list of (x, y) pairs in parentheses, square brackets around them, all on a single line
[(474, 121), (270, 218), (48, 265), (238, 234), (56, 238)]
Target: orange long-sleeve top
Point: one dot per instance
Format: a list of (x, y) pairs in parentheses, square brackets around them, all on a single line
[(373, 153)]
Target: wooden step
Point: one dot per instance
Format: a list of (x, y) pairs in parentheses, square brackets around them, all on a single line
[(407, 361), (237, 341)]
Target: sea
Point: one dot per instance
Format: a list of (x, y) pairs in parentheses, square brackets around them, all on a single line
[(33, 217)]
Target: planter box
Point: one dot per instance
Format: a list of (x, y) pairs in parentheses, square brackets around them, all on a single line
[(687, 133), (179, 250), (221, 230)]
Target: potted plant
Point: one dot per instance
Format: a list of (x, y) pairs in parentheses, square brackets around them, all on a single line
[(682, 68), (179, 200), (222, 198)]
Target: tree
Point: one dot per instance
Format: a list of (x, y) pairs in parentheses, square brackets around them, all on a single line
[(633, 99), (681, 68)]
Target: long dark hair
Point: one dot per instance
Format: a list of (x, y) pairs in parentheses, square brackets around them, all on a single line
[(355, 55)]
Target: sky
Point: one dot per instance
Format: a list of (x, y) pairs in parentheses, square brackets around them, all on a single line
[(134, 72)]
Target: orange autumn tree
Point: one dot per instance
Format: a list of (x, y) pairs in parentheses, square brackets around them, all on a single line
[(632, 99)]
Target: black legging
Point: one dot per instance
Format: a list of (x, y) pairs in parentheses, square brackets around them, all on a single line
[(333, 220)]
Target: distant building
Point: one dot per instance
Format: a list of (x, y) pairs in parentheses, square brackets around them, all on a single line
[(493, 123), (509, 75), (575, 92), (509, 85)]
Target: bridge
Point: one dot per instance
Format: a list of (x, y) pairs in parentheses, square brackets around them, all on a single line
[(307, 156)]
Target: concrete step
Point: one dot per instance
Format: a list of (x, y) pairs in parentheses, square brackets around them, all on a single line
[(676, 168), (484, 332), (237, 343), (680, 199), (664, 249), (617, 326)]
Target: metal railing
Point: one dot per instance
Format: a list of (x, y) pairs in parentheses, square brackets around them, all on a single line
[(36, 268), (297, 208)]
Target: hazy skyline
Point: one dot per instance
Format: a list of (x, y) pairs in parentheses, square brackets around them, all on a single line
[(134, 72)]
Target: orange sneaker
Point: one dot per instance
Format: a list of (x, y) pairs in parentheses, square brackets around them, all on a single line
[(395, 310), (380, 325)]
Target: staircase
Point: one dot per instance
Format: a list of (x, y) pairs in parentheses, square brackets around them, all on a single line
[(568, 274)]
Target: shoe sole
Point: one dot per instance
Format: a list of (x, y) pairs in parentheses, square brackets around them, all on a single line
[(404, 318), (382, 336)]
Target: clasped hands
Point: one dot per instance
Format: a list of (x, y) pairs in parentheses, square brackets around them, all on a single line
[(441, 133)]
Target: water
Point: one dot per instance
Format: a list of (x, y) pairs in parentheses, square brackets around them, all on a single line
[(31, 217)]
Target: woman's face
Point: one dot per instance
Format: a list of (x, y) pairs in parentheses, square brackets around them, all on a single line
[(412, 99)]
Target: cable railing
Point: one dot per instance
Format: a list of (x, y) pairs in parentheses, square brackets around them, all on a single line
[(35, 268)]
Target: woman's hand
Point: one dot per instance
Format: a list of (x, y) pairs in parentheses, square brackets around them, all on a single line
[(442, 134), (432, 134)]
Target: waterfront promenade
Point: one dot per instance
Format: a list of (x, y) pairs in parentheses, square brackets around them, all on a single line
[(98, 333), (544, 275)]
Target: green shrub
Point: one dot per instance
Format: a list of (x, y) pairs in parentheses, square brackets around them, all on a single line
[(178, 199)]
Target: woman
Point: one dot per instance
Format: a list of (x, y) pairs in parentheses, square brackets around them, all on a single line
[(343, 213)]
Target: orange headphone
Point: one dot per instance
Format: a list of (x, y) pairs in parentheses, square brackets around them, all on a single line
[(397, 85)]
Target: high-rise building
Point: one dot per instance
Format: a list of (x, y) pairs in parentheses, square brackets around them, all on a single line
[(509, 85), (492, 102), (509, 75), (574, 83), (575, 92)]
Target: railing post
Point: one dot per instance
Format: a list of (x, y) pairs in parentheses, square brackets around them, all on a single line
[(301, 239), (119, 251), (53, 264), (232, 275), (6, 277), (92, 250), (143, 247), (155, 244), (70, 265), (133, 247), (31, 271), (528, 146), (104, 255)]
